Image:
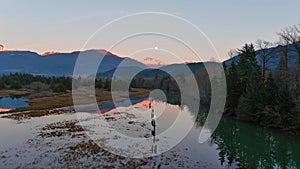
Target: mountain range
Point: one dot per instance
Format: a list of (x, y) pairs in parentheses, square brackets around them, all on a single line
[(59, 64), (275, 54), (62, 64), (175, 69)]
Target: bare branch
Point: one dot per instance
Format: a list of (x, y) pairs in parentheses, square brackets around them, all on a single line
[(232, 53), (289, 34), (297, 28), (265, 51)]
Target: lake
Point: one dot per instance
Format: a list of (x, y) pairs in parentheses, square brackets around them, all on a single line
[(63, 141), (8, 103)]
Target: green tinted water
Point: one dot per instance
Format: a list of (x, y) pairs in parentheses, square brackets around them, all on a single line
[(255, 147)]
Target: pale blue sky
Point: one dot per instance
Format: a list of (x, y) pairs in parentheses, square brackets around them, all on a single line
[(47, 25)]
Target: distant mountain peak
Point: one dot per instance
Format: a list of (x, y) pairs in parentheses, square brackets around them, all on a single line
[(104, 52), (101, 51), (153, 63), (49, 53)]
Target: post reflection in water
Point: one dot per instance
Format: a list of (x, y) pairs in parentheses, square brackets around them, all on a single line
[(154, 146)]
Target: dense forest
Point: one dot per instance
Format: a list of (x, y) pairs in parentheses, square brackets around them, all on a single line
[(40, 83), (259, 94), (262, 99)]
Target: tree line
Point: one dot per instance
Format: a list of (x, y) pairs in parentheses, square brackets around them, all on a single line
[(258, 94), (39, 83)]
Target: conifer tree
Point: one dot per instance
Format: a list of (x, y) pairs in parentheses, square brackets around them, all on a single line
[(271, 92), (233, 89), (286, 105), (247, 64), (250, 103)]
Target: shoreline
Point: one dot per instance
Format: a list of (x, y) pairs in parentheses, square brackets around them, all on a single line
[(287, 132), (63, 103), (59, 103)]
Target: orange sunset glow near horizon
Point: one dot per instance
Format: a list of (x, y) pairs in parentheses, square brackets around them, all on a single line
[(63, 32)]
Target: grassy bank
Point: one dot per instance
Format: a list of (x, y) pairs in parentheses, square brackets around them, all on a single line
[(14, 92), (45, 105)]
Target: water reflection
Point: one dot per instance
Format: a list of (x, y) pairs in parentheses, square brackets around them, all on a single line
[(247, 145), (233, 143), (255, 147), (13, 102), (154, 146)]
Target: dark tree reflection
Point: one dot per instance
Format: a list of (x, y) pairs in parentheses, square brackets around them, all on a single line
[(246, 145), (253, 147)]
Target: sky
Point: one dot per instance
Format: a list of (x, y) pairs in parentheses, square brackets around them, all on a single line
[(64, 26)]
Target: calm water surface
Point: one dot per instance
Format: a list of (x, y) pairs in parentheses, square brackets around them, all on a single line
[(13, 102), (233, 144)]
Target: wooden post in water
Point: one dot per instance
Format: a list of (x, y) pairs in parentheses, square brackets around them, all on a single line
[(153, 132), (152, 114)]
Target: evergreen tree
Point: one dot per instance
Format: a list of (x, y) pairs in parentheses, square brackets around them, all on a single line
[(270, 92), (14, 84), (233, 90), (107, 83), (2, 84), (270, 115), (98, 83), (247, 64), (286, 106), (251, 101)]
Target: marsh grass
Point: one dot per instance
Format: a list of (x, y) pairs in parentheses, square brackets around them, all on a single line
[(4, 93), (42, 106)]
